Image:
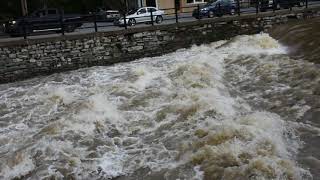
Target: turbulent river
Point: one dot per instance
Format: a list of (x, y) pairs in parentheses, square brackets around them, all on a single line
[(240, 109)]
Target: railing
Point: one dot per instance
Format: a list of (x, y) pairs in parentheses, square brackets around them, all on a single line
[(2, 27), (175, 14)]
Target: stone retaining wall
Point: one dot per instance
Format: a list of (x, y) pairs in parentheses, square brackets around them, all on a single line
[(29, 58)]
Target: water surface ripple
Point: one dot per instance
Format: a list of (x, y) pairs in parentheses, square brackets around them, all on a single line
[(228, 110)]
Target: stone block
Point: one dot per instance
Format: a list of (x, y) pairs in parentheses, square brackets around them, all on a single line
[(17, 60), (135, 48), (32, 60), (12, 56)]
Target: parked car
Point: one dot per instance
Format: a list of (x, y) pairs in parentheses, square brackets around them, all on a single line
[(278, 4), (142, 15), (265, 4), (43, 20), (217, 8), (107, 15), (112, 15)]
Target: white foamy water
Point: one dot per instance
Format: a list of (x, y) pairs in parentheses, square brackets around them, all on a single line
[(171, 116)]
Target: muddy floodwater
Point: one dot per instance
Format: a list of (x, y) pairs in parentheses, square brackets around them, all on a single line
[(239, 109)]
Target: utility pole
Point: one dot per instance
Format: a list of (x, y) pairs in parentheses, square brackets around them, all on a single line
[(24, 7)]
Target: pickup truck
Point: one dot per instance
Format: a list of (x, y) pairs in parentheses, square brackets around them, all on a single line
[(278, 4), (43, 20)]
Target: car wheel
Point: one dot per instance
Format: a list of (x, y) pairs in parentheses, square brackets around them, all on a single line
[(211, 14), (70, 28), (28, 30), (21, 32), (220, 14), (159, 19), (262, 9), (232, 11), (132, 22), (285, 6)]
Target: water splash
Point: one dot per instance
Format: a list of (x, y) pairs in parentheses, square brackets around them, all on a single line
[(173, 114)]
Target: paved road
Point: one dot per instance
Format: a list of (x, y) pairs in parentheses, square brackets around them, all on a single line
[(108, 26)]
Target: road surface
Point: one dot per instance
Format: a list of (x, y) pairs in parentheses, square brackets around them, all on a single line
[(108, 26)]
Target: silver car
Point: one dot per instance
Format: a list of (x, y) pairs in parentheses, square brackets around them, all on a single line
[(112, 14), (142, 15)]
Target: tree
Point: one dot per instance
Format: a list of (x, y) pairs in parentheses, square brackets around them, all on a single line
[(24, 7)]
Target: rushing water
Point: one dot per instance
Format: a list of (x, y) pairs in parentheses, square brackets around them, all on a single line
[(230, 110)]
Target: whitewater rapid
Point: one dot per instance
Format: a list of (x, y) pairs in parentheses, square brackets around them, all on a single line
[(177, 116)]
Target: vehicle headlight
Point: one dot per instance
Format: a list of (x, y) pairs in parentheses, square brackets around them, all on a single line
[(13, 22), (205, 9)]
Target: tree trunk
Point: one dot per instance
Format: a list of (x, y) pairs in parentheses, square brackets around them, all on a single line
[(24, 7)]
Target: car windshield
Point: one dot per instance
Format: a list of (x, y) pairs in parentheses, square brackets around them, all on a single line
[(209, 3), (39, 13), (216, 2), (132, 11)]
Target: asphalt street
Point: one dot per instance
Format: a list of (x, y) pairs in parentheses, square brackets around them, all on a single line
[(108, 26)]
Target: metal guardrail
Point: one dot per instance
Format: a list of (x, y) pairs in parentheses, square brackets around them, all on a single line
[(175, 13)]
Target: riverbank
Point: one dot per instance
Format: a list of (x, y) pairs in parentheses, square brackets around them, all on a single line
[(302, 38)]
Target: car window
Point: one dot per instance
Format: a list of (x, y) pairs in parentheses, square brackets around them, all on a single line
[(151, 10), (52, 12), (222, 2), (132, 11), (142, 11), (41, 13), (216, 3), (210, 3)]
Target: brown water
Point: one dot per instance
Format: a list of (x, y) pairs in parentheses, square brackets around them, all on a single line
[(298, 78), (246, 108)]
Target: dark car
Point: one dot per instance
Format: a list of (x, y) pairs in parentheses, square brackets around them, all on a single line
[(217, 8), (278, 4), (43, 20)]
